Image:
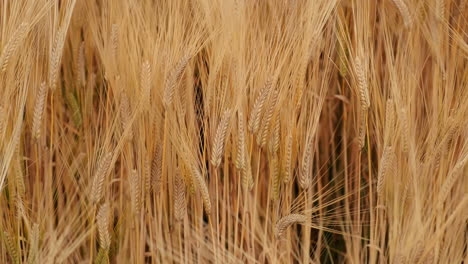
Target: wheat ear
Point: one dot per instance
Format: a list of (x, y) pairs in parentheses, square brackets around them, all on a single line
[(405, 129), (275, 178), (287, 221), (156, 169), (201, 184), (80, 65), (404, 11), (34, 245), (288, 158), (135, 191), (12, 45), (56, 56), (304, 179), (99, 177), (267, 120), (172, 79), (39, 110), (125, 115), (220, 138), (255, 115), (114, 39), (386, 165), (241, 145), (454, 174), (179, 197), (145, 82), (103, 226), (10, 245)]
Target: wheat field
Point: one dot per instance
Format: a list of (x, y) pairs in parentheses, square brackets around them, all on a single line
[(234, 131)]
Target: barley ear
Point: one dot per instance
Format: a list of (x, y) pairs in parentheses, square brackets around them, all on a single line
[(287, 221), (103, 226)]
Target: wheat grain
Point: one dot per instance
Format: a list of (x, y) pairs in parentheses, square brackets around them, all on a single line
[(220, 138), (287, 221), (39, 111), (103, 226), (99, 177)]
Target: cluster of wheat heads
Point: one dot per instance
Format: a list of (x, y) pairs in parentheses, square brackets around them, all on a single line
[(233, 131)]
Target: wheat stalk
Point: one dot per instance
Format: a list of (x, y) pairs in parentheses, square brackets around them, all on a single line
[(220, 138)]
